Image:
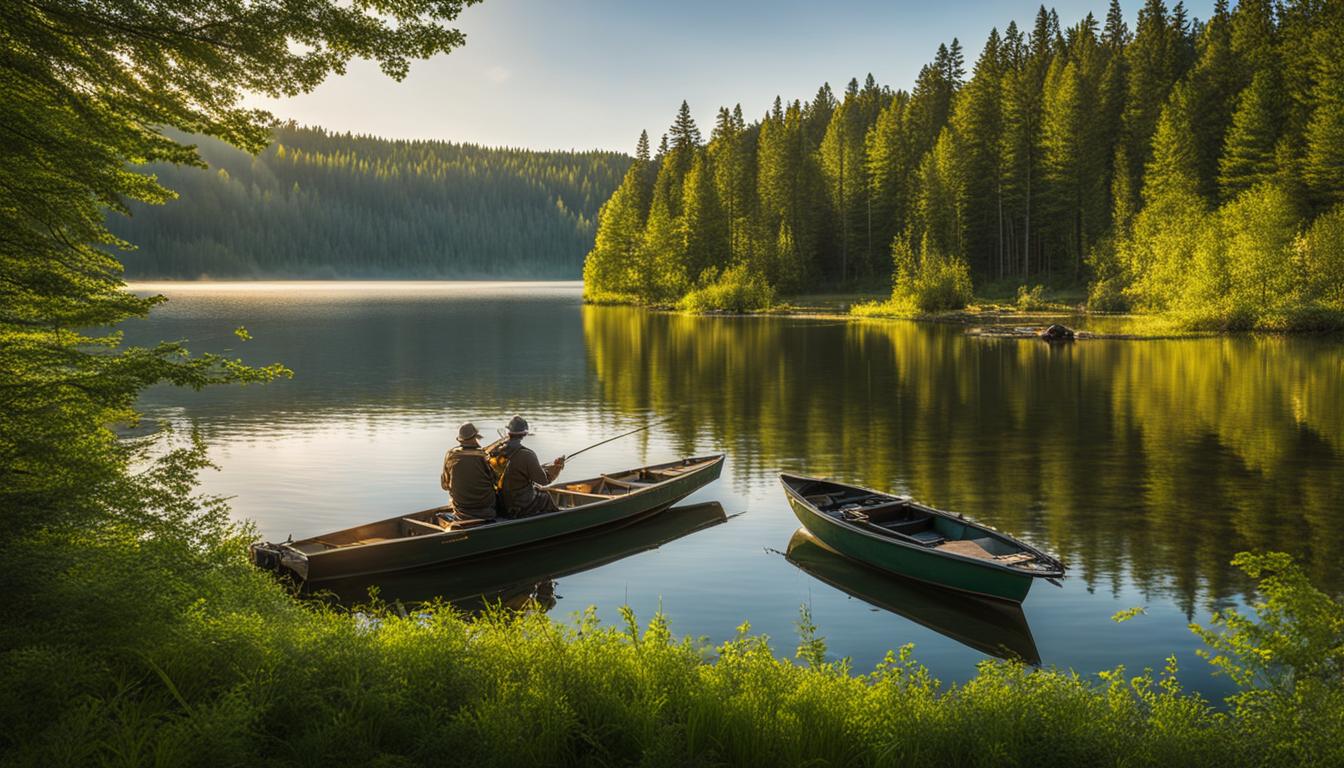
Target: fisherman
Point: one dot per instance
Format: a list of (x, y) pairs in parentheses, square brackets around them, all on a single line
[(468, 478), (521, 473)]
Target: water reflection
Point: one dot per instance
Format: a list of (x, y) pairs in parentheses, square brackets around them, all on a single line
[(386, 350), (995, 627), (1147, 462), (528, 577)]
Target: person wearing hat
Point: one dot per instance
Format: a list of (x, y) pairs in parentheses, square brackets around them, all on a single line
[(522, 473), (468, 478)]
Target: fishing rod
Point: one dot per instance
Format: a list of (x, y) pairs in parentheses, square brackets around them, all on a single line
[(618, 437)]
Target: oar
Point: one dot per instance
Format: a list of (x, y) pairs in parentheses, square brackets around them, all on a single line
[(618, 437)]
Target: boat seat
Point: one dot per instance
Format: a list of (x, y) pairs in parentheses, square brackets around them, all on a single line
[(466, 522), (973, 548), (412, 525), (674, 470), (928, 537)]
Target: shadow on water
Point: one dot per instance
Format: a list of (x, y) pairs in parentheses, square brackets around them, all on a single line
[(529, 575), (995, 627)]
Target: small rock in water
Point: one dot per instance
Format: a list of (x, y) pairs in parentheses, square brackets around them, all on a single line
[(1057, 333)]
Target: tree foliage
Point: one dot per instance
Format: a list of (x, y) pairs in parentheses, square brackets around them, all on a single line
[(86, 92), (319, 204), (1069, 155)]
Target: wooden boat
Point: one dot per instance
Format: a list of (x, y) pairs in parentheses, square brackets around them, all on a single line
[(896, 534), (995, 627), (422, 539), (511, 578)]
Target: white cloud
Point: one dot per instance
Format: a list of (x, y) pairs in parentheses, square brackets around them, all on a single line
[(498, 74)]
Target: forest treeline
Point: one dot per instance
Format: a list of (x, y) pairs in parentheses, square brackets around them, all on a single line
[(322, 204), (1184, 165)]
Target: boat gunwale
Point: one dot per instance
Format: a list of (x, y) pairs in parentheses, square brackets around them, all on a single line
[(706, 463), (794, 495)]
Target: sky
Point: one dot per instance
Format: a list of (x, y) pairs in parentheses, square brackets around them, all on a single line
[(590, 74)]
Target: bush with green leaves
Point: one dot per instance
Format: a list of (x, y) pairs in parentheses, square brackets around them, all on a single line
[(1031, 299), (154, 640), (736, 289), (922, 284)]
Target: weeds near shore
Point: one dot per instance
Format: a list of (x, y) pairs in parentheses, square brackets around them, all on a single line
[(142, 644)]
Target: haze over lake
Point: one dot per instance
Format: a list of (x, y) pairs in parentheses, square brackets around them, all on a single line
[(1146, 465)]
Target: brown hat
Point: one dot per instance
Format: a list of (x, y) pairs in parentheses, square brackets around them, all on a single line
[(467, 432)]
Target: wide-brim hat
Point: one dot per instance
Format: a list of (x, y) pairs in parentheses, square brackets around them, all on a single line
[(468, 432), (517, 427)]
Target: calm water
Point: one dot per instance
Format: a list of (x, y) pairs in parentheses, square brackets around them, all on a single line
[(1145, 465)]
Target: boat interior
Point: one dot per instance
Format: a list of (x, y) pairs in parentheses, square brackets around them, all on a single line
[(911, 522), (566, 496)]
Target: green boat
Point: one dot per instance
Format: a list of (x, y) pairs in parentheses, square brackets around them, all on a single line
[(525, 576), (896, 534), (995, 627), (423, 538)]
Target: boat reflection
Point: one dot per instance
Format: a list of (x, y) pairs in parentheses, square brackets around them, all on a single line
[(526, 577), (995, 627)]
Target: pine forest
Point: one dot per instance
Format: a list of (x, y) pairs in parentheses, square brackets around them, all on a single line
[(326, 205), (1186, 167)]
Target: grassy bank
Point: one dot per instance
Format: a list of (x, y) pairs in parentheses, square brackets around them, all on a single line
[(149, 639)]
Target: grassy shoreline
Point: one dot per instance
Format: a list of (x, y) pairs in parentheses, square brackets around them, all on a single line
[(998, 311), (219, 665)]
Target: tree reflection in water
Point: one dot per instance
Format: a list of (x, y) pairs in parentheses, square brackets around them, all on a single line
[(1153, 461)]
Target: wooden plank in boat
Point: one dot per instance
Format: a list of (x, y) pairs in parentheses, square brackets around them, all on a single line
[(966, 548)]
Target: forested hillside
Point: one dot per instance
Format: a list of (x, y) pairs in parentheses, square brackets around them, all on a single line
[(1184, 165), (319, 204)]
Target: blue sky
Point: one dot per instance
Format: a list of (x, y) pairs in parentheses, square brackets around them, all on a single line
[(561, 74)]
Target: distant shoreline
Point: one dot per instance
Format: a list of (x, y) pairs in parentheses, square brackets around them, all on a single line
[(326, 284)]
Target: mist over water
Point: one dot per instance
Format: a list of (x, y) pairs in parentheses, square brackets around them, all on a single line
[(1145, 465)]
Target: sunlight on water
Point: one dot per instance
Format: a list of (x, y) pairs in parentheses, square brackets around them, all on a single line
[(1145, 465)]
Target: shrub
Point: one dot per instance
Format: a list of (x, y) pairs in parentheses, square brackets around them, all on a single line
[(933, 283), (737, 289), (1029, 299), (150, 639), (1321, 254)]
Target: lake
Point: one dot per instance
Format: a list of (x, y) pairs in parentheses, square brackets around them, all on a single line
[(1146, 465)]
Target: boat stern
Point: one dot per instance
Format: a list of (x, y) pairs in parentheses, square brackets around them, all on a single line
[(278, 558)]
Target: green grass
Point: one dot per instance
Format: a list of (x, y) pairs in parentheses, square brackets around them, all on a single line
[(149, 639)]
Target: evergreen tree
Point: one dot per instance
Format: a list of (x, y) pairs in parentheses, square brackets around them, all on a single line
[(977, 123), (1152, 68), (842, 162), (888, 153), (661, 273), (1115, 33), (611, 270), (817, 115), (1249, 151), (730, 151), (642, 148), (1073, 161), (1323, 166), (684, 134), (1216, 80), (939, 221), (1161, 251), (1024, 83), (705, 225)]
